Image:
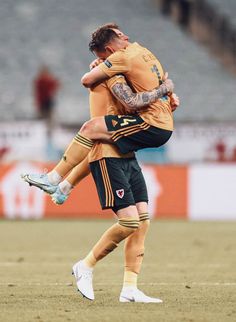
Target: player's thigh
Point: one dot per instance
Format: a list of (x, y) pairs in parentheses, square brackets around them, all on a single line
[(130, 212), (137, 182), (142, 207), (95, 129)]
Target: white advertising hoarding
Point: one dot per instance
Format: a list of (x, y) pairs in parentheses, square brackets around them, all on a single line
[(200, 142), (23, 140), (211, 194)]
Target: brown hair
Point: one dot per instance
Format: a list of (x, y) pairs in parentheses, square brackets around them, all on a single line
[(102, 36)]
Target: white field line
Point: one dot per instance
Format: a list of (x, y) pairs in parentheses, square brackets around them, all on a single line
[(66, 263), (119, 284)]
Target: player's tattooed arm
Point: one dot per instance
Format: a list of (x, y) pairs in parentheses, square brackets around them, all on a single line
[(137, 101)]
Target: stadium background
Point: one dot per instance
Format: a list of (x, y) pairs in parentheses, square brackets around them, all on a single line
[(190, 254)]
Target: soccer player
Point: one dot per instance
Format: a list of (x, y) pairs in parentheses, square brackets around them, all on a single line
[(151, 127), (111, 171), (122, 188)]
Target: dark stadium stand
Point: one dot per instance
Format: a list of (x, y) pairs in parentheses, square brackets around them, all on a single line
[(226, 8), (212, 22), (56, 32)]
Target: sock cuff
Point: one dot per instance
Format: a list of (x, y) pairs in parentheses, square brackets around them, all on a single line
[(90, 260), (65, 187), (129, 223), (144, 216), (130, 279), (82, 140), (54, 177)]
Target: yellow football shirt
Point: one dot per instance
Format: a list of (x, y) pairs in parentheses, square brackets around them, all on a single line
[(143, 72), (102, 102)]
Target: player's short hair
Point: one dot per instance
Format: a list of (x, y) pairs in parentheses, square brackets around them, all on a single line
[(111, 25), (102, 36)]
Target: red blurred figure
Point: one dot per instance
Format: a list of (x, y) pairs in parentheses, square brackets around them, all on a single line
[(3, 151), (220, 148), (46, 86), (233, 158)]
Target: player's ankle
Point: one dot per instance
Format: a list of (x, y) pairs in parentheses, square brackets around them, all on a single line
[(85, 265), (130, 280), (65, 187), (129, 288), (54, 177), (89, 261)]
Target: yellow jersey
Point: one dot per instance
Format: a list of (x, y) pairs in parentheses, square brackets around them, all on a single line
[(102, 102), (143, 72)]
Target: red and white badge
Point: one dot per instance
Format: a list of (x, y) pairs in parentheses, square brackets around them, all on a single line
[(120, 193)]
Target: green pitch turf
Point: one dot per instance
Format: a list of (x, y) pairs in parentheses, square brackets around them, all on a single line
[(191, 266)]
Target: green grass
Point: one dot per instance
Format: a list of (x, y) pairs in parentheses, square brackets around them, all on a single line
[(191, 266)]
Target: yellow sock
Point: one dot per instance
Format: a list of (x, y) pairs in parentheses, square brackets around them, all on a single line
[(90, 260), (79, 172), (76, 152), (113, 236), (134, 248), (130, 279)]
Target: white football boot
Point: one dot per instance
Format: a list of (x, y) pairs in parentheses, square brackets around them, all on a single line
[(132, 294), (40, 181), (58, 197), (84, 279)]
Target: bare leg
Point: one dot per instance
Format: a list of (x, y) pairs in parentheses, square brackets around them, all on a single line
[(94, 129)]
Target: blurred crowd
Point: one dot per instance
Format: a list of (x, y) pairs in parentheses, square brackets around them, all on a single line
[(212, 22)]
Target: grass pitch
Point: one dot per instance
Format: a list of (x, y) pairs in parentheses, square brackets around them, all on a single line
[(191, 266)]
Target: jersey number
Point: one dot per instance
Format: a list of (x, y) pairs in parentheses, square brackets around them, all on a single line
[(155, 70), (127, 122)]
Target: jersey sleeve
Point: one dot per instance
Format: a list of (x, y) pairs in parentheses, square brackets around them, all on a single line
[(114, 80), (117, 63)]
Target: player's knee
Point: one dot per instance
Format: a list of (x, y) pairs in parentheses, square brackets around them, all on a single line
[(145, 223), (130, 224), (87, 129), (93, 128), (144, 226), (128, 213), (144, 217)]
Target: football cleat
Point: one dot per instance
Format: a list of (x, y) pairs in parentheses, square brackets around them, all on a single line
[(40, 181), (58, 197), (129, 294), (84, 279)]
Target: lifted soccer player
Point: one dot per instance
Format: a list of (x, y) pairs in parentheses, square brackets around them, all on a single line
[(151, 127)]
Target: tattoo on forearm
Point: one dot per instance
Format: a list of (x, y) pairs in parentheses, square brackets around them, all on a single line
[(145, 98), (137, 100)]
